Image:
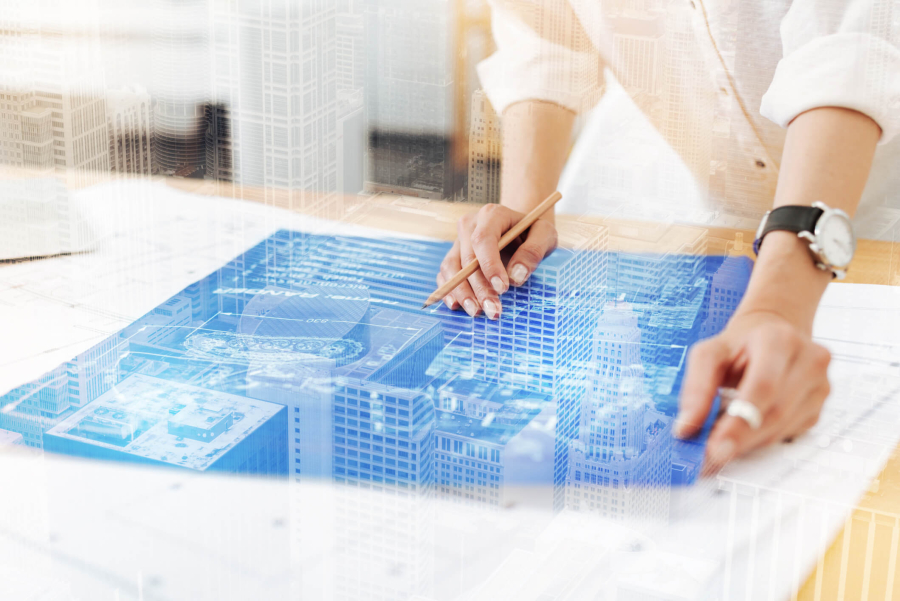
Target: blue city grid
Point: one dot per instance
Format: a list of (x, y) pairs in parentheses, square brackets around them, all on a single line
[(310, 357)]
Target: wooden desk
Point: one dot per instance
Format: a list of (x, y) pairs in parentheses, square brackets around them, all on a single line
[(862, 561)]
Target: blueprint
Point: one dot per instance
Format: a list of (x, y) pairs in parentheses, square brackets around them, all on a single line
[(308, 355), (203, 397)]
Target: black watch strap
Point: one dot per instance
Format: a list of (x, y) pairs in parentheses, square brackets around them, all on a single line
[(790, 218)]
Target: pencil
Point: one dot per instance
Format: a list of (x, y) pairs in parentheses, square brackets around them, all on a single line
[(508, 237)]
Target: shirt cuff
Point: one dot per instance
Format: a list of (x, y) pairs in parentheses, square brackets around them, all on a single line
[(850, 70)]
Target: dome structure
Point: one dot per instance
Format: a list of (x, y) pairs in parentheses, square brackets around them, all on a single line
[(317, 327)]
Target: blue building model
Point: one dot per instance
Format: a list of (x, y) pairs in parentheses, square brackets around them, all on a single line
[(309, 356)]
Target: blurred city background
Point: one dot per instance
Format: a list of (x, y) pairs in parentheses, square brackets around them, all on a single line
[(321, 98)]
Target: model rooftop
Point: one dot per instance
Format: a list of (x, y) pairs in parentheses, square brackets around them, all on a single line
[(485, 429), (472, 389), (165, 421), (505, 411)]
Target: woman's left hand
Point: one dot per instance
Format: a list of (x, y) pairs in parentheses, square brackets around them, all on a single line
[(773, 364)]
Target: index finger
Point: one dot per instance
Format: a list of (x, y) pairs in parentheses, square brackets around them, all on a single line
[(493, 222), (763, 385), (707, 366), (540, 242)]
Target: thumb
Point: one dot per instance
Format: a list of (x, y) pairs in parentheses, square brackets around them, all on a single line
[(708, 363)]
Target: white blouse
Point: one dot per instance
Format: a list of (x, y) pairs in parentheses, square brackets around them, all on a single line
[(718, 80)]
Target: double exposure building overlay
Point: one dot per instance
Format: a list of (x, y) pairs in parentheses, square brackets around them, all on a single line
[(621, 464), (275, 83), (486, 435), (181, 87), (154, 421), (129, 116), (542, 343), (309, 357), (485, 149), (409, 98)]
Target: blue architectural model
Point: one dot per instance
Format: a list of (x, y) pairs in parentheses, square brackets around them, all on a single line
[(309, 356), (144, 419)]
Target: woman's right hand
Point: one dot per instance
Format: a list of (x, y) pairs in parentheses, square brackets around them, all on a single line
[(478, 236)]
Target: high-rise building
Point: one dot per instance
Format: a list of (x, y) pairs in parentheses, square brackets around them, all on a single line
[(538, 337), (181, 86), (689, 96), (350, 49), (274, 78), (129, 121), (633, 489), (727, 288), (351, 142), (36, 407), (350, 373), (668, 291), (485, 151), (94, 371), (638, 32), (621, 463), (204, 304), (295, 344), (382, 444), (491, 440), (161, 325), (383, 436), (539, 342), (748, 174), (350, 81), (25, 136), (409, 98), (54, 117), (15, 99), (615, 391)]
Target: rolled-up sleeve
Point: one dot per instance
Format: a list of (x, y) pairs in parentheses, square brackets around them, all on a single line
[(550, 60), (838, 53)]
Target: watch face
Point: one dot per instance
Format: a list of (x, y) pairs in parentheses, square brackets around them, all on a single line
[(834, 235)]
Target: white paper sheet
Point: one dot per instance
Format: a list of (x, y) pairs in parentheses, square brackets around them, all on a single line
[(39, 219), (70, 529)]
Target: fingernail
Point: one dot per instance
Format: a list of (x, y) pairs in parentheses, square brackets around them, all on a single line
[(449, 302), (518, 274), (680, 428), (723, 452), (498, 285), (470, 307), (492, 308)]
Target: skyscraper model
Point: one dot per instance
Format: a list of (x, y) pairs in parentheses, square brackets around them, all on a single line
[(621, 464)]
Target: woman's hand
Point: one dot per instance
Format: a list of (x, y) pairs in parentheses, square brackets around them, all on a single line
[(766, 351), (773, 364), (478, 235)]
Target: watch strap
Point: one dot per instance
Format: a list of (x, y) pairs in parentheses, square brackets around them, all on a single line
[(790, 218)]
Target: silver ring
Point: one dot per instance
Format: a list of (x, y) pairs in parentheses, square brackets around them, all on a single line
[(747, 411)]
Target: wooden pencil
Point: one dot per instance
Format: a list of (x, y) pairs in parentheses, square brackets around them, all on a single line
[(508, 237)]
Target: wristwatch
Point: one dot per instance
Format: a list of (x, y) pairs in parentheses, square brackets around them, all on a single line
[(828, 231)]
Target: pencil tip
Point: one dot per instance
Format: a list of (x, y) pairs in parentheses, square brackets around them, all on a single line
[(425, 305)]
